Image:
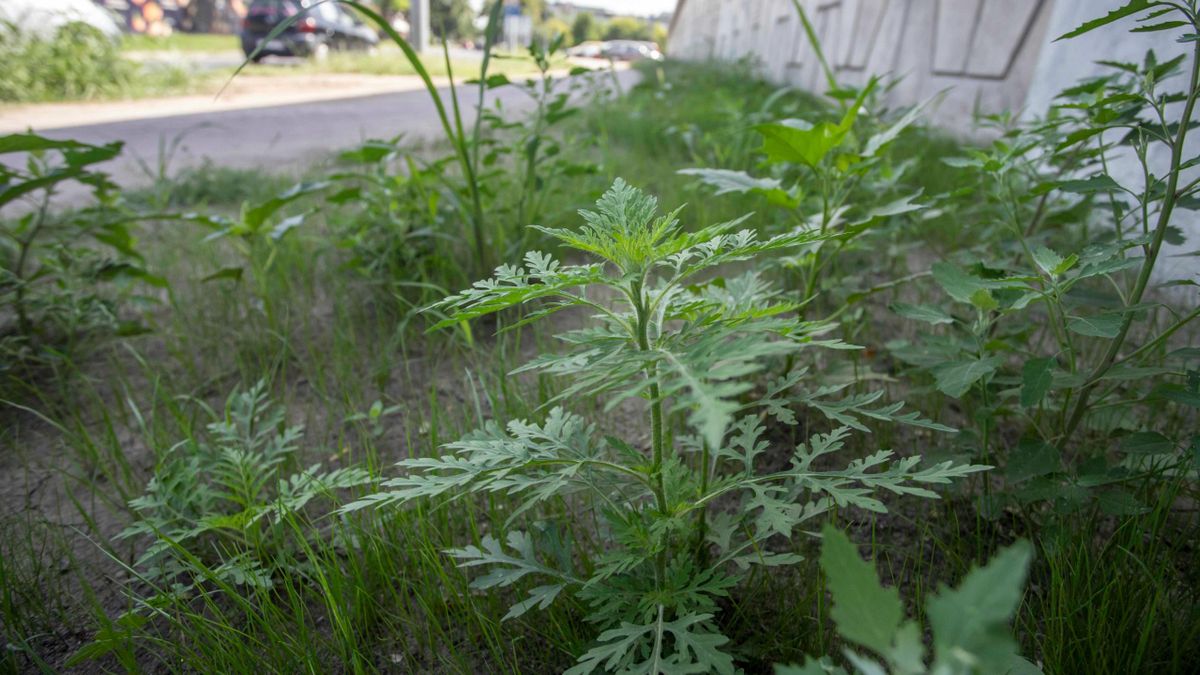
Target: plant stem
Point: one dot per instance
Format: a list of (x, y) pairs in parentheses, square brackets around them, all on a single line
[(1160, 230), (468, 167), (26, 245), (702, 516), (529, 187), (657, 441)]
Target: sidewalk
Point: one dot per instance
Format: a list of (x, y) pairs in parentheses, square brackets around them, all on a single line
[(244, 92)]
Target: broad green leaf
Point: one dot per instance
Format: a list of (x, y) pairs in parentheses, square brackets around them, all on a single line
[(957, 283), (1098, 325), (908, 650), (726, 181), (1100, 183), (371, 152), (866, 613), (961, 162), (1036, 377), (963, 285), (798, 142), (1119, 502), (1147, 443), (1179, 395), (1051, 262), (926, 313), (695, 650), (233, 273), (287, 225), (34, 143), (970, 623), (984, 300), (956, 379), (1030, 459), (905, 204), (731, 181), (254, 216)]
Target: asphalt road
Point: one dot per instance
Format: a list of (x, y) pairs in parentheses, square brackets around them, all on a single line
[(279, 138)]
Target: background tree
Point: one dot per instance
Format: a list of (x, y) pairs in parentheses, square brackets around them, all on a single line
[(584, 28), (658, 33), (452, 19), (551, 28), (534, 9), (390, 8), (627, 28)]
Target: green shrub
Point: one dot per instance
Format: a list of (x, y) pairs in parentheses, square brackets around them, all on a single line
[(78, 62), (63, 274)]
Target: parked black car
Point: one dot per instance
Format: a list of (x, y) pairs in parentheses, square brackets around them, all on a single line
[(631, 50), (320, 29)]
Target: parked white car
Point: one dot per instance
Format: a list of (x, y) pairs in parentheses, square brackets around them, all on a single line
[(45, 17)]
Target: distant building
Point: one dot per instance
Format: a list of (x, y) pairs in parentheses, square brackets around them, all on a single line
[(987, 55), (567, 11)]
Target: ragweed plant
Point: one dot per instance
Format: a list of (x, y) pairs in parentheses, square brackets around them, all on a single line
[(1079, 344), (688, 518), (224, 515), (219, 509), (829, 175)]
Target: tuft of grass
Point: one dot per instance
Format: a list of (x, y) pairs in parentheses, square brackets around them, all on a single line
[(1119, 595), (207, 185)]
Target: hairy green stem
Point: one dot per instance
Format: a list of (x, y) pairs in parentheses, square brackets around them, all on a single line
[(657, 441), (702, 517)]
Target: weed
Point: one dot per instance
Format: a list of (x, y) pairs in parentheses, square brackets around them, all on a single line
[(687, 347), (969, 623), (77, 62), (1046, 334), (51, 273)]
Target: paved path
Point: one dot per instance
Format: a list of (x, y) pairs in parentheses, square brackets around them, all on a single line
[(255, 132)]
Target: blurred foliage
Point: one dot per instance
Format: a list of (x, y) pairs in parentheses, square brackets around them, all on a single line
[(78, 62)]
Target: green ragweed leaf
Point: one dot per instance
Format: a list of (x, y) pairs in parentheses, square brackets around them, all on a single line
[(1036, 377), (970, 623), (956, 378), (866, 613)]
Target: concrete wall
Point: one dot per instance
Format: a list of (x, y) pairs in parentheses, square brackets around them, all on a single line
[(984, 52), (994, 55)]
